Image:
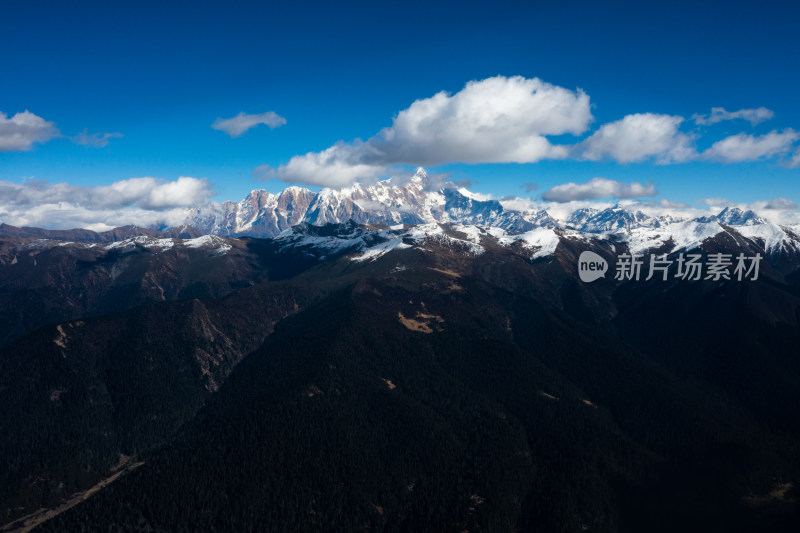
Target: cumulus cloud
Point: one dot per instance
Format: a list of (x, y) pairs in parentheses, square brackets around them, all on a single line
[(638, 137), (719, 114), (69, 216), (794, 160), (716, 202), (21, 131), (242, 122), (780, 203), (94, 140), (666, 204), (141, 201), (597, 188), (745, 147), (515, 203), (496, 120), (337, 166)]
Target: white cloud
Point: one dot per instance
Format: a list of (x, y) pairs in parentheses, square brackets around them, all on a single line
[(745, 147), (718, 114), (154, 193), (794, 162), (515, 203), (597, 188), (509, 120), (638, 137), (242, 122), (496, 120), (337, 166), (69, 216), (716, 202), (19, 132), (94, 140), (142, 201), (780, 203)]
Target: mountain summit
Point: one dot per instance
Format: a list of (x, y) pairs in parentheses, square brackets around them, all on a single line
[(733, 216)]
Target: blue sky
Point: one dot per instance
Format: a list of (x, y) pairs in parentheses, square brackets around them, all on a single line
[(159, 76)]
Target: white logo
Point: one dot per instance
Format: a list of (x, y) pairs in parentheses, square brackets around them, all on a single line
[(591, 266), (688, 266)]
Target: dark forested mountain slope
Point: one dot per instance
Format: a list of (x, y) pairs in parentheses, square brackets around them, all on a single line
[(79, 396), (439, 388), (47, 281)]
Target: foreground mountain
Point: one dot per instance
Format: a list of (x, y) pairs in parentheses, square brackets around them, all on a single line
[(46, 279), (431, 377)]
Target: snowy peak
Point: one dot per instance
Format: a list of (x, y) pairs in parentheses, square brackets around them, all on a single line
[(609, 220), (579, 217), (541, 219), (733, 216), (615, 219), (260, 214), (420, 176)]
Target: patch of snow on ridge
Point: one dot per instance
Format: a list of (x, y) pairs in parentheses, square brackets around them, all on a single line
[(771, 236), (473, 233), (434, 232), (423, 231), (328, 244), (543, 240), (163, 244), (142, 240), (205, 241), (120, 244), (383, 248), (684, 236)]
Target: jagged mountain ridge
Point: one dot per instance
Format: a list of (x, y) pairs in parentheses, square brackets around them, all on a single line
[(263, 214), (733, 216), (417, 201), (616, 218), (183, 231), (779, 245)]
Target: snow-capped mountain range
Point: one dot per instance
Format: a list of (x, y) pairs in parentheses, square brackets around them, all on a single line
[(417, 201), (263, 214), (371, 220), (367, 244)]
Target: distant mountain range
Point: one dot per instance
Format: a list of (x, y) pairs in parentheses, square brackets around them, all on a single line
[(263, 214), (416, 201)]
